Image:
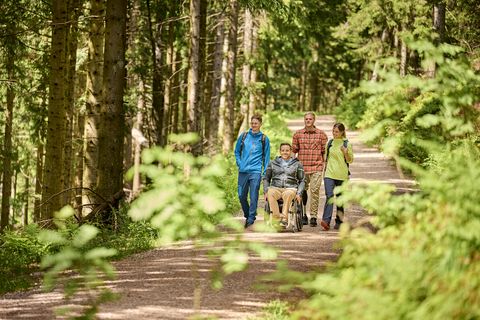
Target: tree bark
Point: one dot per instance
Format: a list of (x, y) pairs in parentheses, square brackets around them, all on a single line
[(111, 134), (54, 178), (138, 141), (194, 112), (253, 75), (228, 139), (72, 43), (7, 141), (94, 92), (156, 44), (246, 71), (214, 103)]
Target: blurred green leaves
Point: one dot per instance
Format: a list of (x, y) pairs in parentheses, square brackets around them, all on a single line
[(90, 266)]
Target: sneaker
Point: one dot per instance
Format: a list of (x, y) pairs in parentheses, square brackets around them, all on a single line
[(325, 226), (283, 224), (247, 224), (337, 226), (313, 222), (305, 220)]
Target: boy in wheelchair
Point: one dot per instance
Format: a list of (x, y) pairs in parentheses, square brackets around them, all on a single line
[(284, 180)]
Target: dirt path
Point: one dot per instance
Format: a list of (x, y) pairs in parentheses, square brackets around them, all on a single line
[(159, 284)]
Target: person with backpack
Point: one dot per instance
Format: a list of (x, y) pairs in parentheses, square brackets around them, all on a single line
[(252, 152), (309, 144), (338, 157), (284, 179)]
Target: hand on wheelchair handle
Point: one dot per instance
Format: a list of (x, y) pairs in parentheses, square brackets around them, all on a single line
[(299, 198)]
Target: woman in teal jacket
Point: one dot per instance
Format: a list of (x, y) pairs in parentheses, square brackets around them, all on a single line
[(339, 155)]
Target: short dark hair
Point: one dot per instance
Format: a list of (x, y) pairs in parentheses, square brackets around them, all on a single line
[(285, 144), (257, 117)]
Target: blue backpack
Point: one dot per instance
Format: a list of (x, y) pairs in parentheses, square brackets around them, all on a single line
[(329, 145)]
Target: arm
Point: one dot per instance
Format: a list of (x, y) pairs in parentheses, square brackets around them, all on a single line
[(266, 161), (295, 144), (267, 178), (301, 179), (348, 153), (237, 150)]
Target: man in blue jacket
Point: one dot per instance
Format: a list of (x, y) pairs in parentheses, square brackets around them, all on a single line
[(252, 151)]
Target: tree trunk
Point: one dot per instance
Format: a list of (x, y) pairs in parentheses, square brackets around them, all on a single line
[(111, 133), (53, 181), (228, 138), (156, 44), (194, 112), (376, 67), (403, 58), (303, 86), (7, 142), (214, 103), (138, 141), (38, 182), (72, 37), (79, 130), (223, 88), (25, 208), (94, 92), (246, 72), (176, 90), (253, 75), (439, 33)]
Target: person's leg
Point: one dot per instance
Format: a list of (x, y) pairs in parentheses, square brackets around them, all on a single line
[(328, 209), (288, 195), (307, 193), (315, 184), (243, 192), (254, 181), (340, 211), (273, 194)]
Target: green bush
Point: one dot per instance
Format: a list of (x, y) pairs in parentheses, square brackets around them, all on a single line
[(424, 261), (352, 108)]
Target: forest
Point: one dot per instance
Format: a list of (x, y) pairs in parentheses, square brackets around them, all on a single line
[(119, 117)]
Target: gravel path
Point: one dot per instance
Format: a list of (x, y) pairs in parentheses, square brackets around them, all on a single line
[(160, 284)]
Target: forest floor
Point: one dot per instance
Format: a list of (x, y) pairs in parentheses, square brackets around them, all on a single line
[(160, 284)]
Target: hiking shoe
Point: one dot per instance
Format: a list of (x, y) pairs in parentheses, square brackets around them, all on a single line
[(305, 220), (283, 224), (325, 226), (247, 224), (337, 226), (313, 222)]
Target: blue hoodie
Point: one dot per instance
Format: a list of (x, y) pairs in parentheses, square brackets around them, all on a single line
[(251, 159)]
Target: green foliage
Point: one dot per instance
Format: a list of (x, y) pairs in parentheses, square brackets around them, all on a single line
[(274, 126), (20, 251), (352, 108), (128, 237), (228, 184), (424, 261), (275, 310), (89, 265), (400, 111)]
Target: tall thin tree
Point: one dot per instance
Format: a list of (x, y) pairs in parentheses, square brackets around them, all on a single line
[(111, 133), (53, 179)]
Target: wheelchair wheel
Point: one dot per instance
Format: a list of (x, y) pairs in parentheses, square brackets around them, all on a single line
[(298, 216)]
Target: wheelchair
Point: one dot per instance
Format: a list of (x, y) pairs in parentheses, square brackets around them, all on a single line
[(295, 214)]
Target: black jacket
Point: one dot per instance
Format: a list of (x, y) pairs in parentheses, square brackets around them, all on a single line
[(289, 176)]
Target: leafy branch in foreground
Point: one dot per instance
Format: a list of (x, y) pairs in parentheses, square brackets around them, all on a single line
[(77, 269)]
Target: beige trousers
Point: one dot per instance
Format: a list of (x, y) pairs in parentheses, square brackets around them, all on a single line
[(273, 194), (313, 183)]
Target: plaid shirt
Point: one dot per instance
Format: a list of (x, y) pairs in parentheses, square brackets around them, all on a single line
[(310, 146)]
